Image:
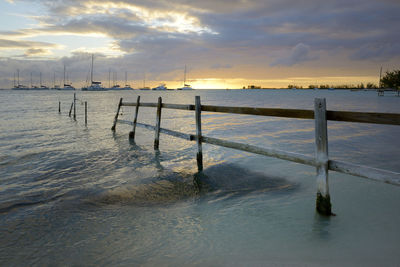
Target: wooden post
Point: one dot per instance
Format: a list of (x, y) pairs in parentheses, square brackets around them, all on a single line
[(132, 133), (198, 134), (158, 125), (116, 115), (85, 112), (59, 106), (323, 203), (75, 106), (70, 110)]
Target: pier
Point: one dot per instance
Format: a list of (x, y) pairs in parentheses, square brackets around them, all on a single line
[(320, 161)]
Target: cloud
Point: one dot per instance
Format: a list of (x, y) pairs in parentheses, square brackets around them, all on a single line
[(298, 54), (159, 36), (36, 51), (7, 44)]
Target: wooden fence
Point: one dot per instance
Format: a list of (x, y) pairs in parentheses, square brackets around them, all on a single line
[(321, 160), (73, 106)]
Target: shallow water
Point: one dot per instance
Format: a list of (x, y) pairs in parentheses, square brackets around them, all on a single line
[(72, 194)]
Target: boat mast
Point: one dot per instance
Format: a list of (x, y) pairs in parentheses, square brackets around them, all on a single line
[(17, 77), (126, 78), (14, 80), (184, 77), (54, 80), (40, 79), (109, 78), (91, 71), (31, 79), (64, 75)]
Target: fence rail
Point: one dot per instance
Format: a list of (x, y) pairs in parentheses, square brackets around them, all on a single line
[(321, 160)]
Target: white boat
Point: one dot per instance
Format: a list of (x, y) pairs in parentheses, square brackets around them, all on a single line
[(41, 87), (185, 86), (18, 86), (144, 83), (66, 86), (127, 86), (94, 86), (118, 87), (160, 87)]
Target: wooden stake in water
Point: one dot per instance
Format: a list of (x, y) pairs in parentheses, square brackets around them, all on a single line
[(85, 112), (59, 106), (132, 133), (158, 125), (198, 134), (75, 106), (116, 115), (70, 110), (323, 203)]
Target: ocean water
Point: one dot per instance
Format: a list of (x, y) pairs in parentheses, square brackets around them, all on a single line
[(72, 194)]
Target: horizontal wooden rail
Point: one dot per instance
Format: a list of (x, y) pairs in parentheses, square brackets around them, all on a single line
[(345, 116), (334, 165), (320, 161), (380, 175), (364, 117)]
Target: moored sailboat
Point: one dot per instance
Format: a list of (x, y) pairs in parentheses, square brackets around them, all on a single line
[(94, 86), (185, 86)]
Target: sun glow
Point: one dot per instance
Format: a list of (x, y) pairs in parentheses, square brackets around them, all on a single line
[(170, 21)]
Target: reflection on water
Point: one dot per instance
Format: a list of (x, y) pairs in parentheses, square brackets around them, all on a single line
[(77, 195)]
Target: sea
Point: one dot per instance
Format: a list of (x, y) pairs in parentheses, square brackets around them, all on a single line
[(76, 194)]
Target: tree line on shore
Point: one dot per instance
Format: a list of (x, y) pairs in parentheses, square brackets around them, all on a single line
[(391, 80)]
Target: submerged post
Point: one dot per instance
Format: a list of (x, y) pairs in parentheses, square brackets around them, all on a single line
[(70, 110), (59, 106), (85, 112), (116, 115), (323, 203), (132, 133), (158, 124), (75, 106), (198, 134)]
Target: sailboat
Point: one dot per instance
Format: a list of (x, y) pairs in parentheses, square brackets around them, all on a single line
[(127, 86), (66, 86), (18, 86), (94, 86), (42, 87), (185, 86), (144, 84), (115, 86)]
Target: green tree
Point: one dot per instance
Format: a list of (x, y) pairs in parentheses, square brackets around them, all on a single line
[(391, 79)]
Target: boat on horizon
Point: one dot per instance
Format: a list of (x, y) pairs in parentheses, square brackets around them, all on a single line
[(94, 86), (67, 86), (185, 86), (160, 87), (118, 87), (17, 85), (144, 83)]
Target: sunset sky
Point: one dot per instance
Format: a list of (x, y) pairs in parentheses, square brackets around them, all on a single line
[(224, 43)]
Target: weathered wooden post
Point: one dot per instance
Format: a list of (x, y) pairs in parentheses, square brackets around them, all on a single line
[(198, 134), (158, 125), (74, 106), (85, 112), (59, 106), (70, 110), (116, 115), (323, 203), (132, 133)]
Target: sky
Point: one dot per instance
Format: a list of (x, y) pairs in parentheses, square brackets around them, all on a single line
[(223, 43)]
